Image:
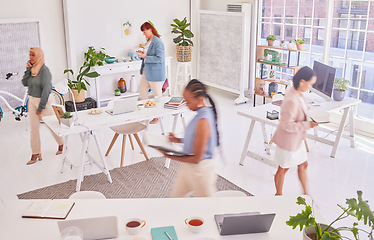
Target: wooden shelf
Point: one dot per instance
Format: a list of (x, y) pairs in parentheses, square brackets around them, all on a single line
[(291, 67), (283, 49), (278, 81), (263, 95)]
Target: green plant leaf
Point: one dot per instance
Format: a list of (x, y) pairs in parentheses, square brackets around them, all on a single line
[(302, 219), (174, 25), (92, 74), (68, 70), (187, 33), (183, 23), (362, 209), (301, 201), (328, 236), (177, 22)]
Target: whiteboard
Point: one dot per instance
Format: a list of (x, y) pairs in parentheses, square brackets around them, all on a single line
[(221, 49), (16, 39)]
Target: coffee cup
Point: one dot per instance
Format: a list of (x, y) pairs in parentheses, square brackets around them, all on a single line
[(195, 224), (134, 225)]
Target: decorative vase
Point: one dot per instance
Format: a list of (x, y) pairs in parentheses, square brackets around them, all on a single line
[(133, 84), (289, 46), (184, 53), (67, 121), (79, 97), (122, 85), (308, 233), (273, 88), (299, 46), (270, 42), (338, 95)]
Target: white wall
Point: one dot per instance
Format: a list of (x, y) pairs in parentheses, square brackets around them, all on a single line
[(52, 35)]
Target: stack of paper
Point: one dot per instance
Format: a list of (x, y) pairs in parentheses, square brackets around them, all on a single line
[(175, 103)]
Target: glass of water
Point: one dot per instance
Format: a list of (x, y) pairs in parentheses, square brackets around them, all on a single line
[(72, 233)]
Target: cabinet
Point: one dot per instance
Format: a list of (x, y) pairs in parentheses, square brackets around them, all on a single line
[(283, 68), (102, 88)]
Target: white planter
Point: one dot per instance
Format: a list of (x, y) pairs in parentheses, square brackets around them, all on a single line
[(290, 46), (311, 230), (67, 121)]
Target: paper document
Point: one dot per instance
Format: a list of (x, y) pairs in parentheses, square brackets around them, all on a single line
[(57, 209), (320, 117), (162, 142)]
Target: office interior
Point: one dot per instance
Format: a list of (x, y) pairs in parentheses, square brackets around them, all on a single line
[(338, 35)]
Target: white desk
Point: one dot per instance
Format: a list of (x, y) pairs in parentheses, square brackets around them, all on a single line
[(91, 123), (258, 114), (158, 213)]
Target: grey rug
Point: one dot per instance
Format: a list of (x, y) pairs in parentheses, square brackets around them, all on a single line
[(148, 179)]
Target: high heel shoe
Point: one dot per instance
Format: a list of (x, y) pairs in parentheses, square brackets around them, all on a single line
[(34, 158), (60, 149)]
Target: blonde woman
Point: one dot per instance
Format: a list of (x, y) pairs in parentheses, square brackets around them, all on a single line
[(38, 79)]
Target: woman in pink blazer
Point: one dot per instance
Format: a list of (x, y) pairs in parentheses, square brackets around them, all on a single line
[(292, 128)]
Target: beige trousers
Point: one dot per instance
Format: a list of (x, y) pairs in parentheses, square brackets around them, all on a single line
[(200, 178), (35, 123), (145, 85)]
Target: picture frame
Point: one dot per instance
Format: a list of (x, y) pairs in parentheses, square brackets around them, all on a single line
[(271, 74), (59, 110)]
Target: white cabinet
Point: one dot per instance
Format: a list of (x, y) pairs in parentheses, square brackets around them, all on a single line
[(102, 88)]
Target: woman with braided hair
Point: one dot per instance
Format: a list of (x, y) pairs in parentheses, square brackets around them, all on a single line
[(197, 172)]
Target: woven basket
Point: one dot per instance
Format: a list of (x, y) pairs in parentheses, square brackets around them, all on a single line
[(79, 97), (184, 53)]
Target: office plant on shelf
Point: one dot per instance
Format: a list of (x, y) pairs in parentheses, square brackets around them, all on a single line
[(300, 43), (271, 38), (358, 209), (340, 86)]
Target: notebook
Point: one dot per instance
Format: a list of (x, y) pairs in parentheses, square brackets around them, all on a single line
[(93, 228), (49, 208), (159, 233), (319, 117), (124, 105), (243, 223)]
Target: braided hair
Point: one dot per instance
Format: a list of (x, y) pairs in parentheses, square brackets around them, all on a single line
[(198, 89)]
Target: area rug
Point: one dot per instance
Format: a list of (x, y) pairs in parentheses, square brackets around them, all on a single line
[(148, 179)]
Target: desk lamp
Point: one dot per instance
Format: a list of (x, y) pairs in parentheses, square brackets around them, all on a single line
[(63, 88)]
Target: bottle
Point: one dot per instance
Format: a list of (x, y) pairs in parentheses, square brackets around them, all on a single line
[(133, 84), (122, 85)]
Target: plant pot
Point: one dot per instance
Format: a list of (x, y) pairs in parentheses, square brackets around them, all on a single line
[(184, 53), (289, 46), (338, 95), (299, 46), (308, 233), (79, 97), (270, 42), (67, 121)]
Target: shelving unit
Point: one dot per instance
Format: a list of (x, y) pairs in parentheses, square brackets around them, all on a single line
[(259, 80)]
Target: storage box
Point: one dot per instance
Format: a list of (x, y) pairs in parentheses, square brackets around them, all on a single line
[(87, 104)]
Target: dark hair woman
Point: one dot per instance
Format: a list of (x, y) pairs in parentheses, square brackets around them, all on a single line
[(153, 63), (197, 172), (292, 128)]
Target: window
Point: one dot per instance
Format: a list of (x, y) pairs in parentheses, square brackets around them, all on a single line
[(307, 29), (321, 29), (277, 25), (289, 28)]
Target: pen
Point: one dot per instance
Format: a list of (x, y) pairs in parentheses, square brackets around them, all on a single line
[(167, 234)]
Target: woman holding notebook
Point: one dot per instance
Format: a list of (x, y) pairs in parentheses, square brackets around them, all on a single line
[(290, 134), (197, 172)]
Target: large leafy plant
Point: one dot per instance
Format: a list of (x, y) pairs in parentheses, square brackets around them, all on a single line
[(184, 34), (357, 208), (92, 58)]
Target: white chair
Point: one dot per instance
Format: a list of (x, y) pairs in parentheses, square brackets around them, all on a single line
[(229, 193), (127, 129), (87, 195)]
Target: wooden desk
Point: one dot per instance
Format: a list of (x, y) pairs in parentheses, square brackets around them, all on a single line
[(157, 213), (258, 114), (89, 124)]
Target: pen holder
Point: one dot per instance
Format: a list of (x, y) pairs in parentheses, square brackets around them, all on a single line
[(272, 115)]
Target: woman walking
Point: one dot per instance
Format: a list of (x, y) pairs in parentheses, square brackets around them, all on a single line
[(290, 134), (38, 79)]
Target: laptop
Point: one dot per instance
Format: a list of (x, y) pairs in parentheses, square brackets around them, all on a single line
[(243, 223), (93, 228), (124, 105)]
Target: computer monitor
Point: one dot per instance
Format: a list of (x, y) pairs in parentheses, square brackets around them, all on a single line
[(325, 80)]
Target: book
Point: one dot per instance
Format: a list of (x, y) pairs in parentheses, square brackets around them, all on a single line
[(159, 233), (175, 107), (175, 101), (49, 208), (162, 142)]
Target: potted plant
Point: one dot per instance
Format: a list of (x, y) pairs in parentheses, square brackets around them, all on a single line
[(299, 43), (357, 208), (91, 58), (281, 44), (183, 40), (271, 38), (67, 119), (289, 45), (340, 86)]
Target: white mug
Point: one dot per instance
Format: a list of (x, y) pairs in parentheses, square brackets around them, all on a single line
[(195, 224), (134, 225)]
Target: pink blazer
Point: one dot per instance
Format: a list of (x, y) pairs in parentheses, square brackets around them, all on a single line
[(293, 122)]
